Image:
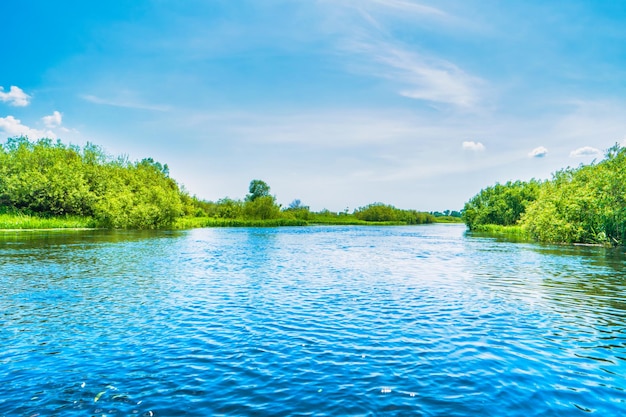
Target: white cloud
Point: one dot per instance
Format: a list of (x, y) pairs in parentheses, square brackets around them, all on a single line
[(15, 97), (538, 152), (585, 151), (417, 73), (54, 120), (421, 77), (14, 127), (473, 146)]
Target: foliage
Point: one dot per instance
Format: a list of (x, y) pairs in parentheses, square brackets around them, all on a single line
[(585, 205), (446, 213), (578, 205), (448, 219), (297, 211), (49, 184), (19, 220), (501, 204), (510, 232), (262, 208), (52, 179), (195, 222), (257, 189), (379, 212)]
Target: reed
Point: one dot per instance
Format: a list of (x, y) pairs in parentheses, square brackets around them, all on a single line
[(20, 221)]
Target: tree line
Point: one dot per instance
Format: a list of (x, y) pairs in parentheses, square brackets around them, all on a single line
[(586, 204), (50, 179), (259, 204)]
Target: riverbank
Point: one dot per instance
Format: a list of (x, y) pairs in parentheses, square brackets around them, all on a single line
[(24, 222), (21, 221), (520, 234)]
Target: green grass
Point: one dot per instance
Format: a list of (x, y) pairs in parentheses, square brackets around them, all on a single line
[(517, 233), (448, 219), (16, 220), (196, 222), (345, 220), (21, 221)]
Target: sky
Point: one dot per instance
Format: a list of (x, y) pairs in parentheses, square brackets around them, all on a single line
[(338, 103)]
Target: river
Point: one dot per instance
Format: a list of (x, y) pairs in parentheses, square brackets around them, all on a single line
[(341, 321)]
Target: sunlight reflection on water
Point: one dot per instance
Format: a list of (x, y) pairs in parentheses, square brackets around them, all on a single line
[(318, 320)]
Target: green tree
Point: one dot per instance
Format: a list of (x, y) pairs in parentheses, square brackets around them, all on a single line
[(49, 178), (501, 204), (262, 208), (379, 212), (298, 211), (257, 189), (586, 204), (229, 209)]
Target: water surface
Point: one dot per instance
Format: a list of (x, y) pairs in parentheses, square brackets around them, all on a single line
[(396, 321)]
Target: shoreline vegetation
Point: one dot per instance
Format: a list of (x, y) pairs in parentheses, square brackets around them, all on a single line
[(46, 184), (581, 206)]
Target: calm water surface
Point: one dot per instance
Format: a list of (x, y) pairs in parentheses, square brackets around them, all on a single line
[(389, 321)]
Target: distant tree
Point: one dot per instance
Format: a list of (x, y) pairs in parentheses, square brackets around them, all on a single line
[(379, 212), (229, 209), (297, 210), (262, 208), (258, 188), (295, 204), (151, 163)]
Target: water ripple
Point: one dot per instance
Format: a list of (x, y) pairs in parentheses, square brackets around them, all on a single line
[(309, 321)]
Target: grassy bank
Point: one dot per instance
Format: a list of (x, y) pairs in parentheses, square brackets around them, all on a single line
[(16, 220), (517, 233), (21, 221), (198, 222), (447, 219)]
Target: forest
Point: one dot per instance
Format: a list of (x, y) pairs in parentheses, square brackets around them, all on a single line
[(584, 205), (48, 184)]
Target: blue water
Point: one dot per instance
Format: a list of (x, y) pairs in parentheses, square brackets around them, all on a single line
[(381, 321)]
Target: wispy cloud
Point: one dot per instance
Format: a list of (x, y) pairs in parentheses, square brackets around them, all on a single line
[(585, 151), (538, 152), (13, 127), (124, 102), (414, 71), (429, 79), (54, 120), (15, 97), (319, 129), (473, 146)]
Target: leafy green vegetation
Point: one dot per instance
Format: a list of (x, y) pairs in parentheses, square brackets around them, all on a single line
[(47, 184), (379, 212), (262, 210), (578, 205), (447, 216), (196, 222), (18, 220), (501, 204), (517, 233), (46, 179)]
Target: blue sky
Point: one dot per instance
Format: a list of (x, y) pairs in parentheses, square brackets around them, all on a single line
[(338, 103)]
